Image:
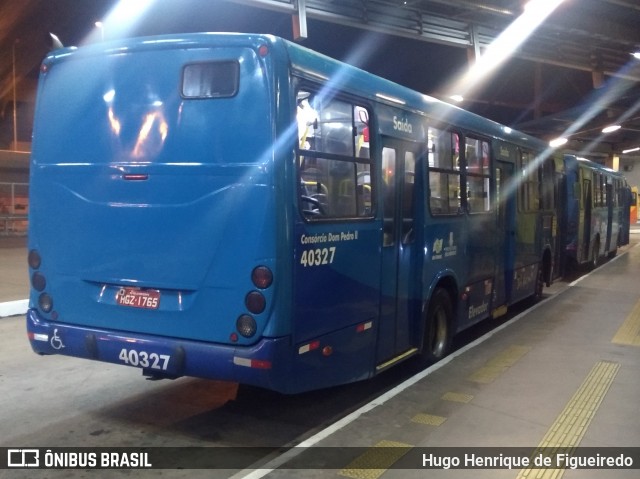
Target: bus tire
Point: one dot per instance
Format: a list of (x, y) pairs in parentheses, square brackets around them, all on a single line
[(438, 324)]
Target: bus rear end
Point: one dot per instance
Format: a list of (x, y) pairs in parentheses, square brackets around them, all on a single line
[(152, 237)]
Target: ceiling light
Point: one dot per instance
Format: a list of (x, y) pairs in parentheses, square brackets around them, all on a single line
[(637, 148), (636, 55), (555, 143), (611, 128), (505, 45)]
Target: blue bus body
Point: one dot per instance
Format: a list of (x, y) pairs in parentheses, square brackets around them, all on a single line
[(596, 213), (238, 207)]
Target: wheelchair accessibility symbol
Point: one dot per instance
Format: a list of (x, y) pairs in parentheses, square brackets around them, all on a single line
[(56, 342)]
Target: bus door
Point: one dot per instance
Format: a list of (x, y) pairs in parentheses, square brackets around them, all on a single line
[(400, 272), (506, 217)]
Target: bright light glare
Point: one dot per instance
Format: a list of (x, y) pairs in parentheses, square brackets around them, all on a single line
[(557, 142), (120, 20), (457, 98), (109, 96), (611, 128), (502, 48), (391, 99), (636, 55), (632, 150)]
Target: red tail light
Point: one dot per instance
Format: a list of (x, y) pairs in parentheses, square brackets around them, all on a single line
[(255, 302), (262, 277)]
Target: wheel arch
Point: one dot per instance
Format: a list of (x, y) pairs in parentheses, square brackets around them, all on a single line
[(447, 281)]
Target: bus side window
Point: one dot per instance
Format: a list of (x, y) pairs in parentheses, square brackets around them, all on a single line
[(443, 150), (529, 188), (478, 180), (333, 158)]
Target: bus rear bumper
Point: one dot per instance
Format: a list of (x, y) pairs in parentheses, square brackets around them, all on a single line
[(164, 357)]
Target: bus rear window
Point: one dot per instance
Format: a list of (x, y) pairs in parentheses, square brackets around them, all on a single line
[(210, 80)]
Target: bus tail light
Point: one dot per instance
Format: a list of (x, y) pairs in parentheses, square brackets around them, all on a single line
[(38, 281), (262, 277), (263, 50), (34, 259), (45, 302), (246, 325), (255, 302)]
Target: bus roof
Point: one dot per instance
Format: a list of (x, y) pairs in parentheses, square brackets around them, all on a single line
[(316, 66), (596, 166)]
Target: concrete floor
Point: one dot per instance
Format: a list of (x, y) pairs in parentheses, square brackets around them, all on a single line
[(563, 373)]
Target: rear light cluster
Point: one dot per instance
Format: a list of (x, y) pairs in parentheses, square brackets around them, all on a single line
[(39, 282), (255, 302)]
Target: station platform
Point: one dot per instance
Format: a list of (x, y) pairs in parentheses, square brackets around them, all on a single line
[(561, 377)]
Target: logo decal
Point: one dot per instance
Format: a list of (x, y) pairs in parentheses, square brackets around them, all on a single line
[(56, 342)]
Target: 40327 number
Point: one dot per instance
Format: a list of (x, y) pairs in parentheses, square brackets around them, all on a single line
[(143, 359), (317, 257)]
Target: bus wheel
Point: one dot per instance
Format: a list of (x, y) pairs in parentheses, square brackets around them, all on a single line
[(437, 337)]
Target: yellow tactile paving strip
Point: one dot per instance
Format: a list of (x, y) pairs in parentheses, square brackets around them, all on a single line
[(428, 419), (499, 364), (376, 461), (457, 397), (571, 424), (564, 435), (629, 332)]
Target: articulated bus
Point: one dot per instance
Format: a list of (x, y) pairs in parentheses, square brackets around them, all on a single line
[(596, 213), (241, 208)]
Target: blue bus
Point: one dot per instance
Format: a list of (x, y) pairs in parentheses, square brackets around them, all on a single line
[(241, 208), (596, 213)]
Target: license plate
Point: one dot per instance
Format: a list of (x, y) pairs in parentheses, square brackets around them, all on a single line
[(138, 298)]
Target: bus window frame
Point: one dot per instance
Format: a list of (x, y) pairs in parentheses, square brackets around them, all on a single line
[(486, 174), (529, 181), (237, 72), (456, 170), (302, 154), (546, 178)]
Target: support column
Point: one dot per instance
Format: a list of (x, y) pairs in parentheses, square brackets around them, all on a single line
[(537, 91), (473, 52), (299, 20), (613, 162)]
